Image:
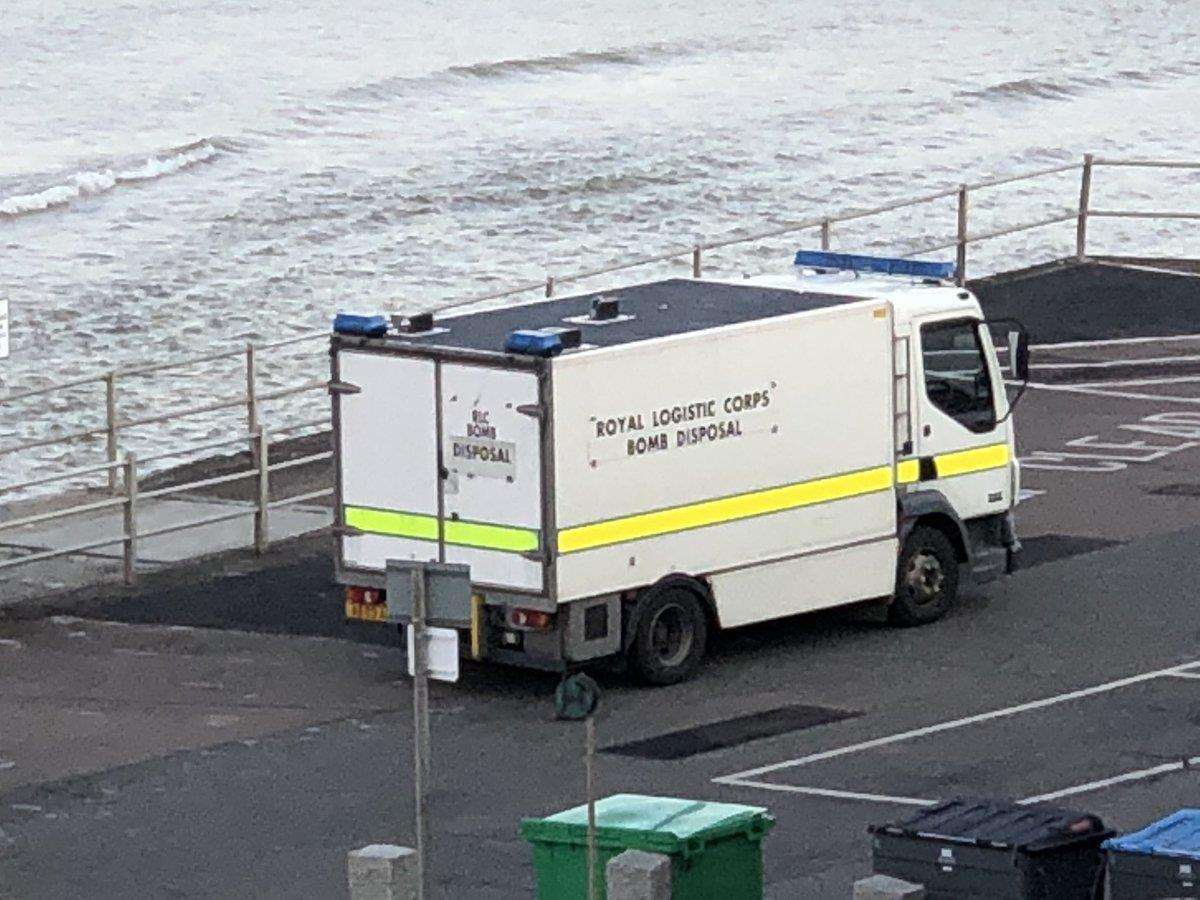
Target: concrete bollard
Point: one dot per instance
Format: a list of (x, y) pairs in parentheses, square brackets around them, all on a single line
[(637, 875), (382, 872), (885, 887)]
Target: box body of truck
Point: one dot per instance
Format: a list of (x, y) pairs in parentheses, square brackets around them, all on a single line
[(745, 442)]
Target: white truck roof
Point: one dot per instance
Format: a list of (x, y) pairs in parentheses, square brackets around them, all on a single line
[(910, 297)]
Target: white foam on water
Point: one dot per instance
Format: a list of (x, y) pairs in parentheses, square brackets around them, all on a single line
[(92, 183)]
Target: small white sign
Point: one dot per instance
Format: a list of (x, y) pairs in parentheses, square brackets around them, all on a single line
[(443, 653), (3, 329)]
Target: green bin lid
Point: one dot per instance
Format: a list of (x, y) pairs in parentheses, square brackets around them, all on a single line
[(654, 824)]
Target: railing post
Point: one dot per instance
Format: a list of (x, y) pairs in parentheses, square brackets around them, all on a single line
[(251, 400), (1085, 199), (130, 517), (264, 493), (549, 285), (110, 429), (825, 235), (696, 261), (960, 262)]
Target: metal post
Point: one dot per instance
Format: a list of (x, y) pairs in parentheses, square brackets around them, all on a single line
[(696, 261), (130, 508), (264, 492), (589, 761), (420, 724), (1085, 198), (960, 262), (110, 428), (549, 285), (251, 401), (825, 235)]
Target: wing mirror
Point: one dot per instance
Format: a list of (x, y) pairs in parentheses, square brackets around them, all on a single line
[(1018, 355)]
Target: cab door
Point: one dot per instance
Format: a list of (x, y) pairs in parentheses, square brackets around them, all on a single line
[(962, 448)]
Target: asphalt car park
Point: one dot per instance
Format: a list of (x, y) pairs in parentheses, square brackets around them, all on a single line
[(1075, 681)]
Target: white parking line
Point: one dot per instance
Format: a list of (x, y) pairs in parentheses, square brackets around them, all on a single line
[(959, 723), (1120, 395), (1115, 342), (1136, 382), (750, 777), (1137, 775), (825, 792), (1118, 363)]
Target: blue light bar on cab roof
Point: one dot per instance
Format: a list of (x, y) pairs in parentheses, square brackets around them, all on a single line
[(884, 265)]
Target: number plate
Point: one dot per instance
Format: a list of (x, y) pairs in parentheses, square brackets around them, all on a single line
[(367, 612)]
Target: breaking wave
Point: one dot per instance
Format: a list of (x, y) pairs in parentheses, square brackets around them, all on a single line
[(575, 61), (100, 181)]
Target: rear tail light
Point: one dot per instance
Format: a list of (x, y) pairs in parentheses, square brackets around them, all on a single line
[(529, 619), (365, 596)]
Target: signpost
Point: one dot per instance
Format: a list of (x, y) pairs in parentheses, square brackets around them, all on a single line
[(422, 590), (418, 665), (577, 697)]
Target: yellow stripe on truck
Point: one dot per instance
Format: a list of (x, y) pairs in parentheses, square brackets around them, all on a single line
[(397, 524), (960, 462), (724, 509), (483, 535), (963, 462), (509, 539)]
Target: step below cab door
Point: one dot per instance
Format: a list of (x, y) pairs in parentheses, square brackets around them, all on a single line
[(961, 448)]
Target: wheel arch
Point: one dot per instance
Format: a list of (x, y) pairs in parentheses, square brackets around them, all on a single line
[(694, 584), (931, 509)]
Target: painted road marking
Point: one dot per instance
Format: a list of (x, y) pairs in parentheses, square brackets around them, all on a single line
[(1115, 342), (1124, 778), (1102, 392), (1168, 424), (1117, 363), (750, 777), (1140, 382)]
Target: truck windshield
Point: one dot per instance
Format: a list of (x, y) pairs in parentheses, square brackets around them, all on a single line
[(956, 373)]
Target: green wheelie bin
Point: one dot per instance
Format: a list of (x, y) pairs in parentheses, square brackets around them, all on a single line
[(715, 848)]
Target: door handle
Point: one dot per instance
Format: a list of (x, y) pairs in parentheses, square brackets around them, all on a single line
[(926, 431)]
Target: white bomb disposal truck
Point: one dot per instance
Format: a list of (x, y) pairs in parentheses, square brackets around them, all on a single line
[(626, 471)]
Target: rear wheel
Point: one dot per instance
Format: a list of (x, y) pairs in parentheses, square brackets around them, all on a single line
[(926, 578), (669, 637)]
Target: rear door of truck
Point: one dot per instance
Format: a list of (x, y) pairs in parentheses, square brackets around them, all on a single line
[(492, 484), (439, 460)]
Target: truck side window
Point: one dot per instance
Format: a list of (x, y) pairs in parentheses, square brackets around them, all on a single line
[(956, 373)]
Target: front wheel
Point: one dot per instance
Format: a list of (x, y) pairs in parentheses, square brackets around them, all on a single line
[(926, 578), (669, 637)]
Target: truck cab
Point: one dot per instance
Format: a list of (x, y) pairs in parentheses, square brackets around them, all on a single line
[(955, 441)]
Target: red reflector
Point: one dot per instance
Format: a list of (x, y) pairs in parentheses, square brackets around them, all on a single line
[(354, 594), (529, 618)]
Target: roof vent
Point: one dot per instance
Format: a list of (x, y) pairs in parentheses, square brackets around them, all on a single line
[(605, 309), (572, 338), (413, 324)]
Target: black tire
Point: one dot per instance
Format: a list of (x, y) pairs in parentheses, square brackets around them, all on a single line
[(926, 578), (669, 636)]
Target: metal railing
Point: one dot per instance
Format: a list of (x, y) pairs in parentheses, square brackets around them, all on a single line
[(124, 490), (131, 497)]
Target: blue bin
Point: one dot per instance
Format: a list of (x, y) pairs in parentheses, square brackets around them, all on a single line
[(1161, 860)]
